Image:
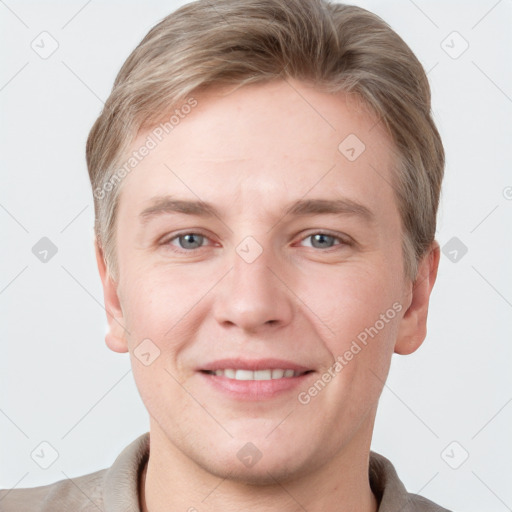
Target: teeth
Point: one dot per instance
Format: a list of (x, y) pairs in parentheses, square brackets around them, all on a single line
[(263, 375), (255, 375), (277, 374), (244, 375)]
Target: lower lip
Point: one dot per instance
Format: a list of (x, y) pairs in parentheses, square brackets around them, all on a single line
[(255, 389)]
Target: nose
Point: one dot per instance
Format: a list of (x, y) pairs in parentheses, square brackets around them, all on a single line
[(254, 296)]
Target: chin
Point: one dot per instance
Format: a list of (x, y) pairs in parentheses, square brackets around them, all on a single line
[(245, 463), (263, 473)]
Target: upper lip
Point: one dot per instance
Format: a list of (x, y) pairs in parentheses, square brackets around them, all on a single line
[(254, 365)]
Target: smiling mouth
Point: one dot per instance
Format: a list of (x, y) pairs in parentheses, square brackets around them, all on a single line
[(267, 374)]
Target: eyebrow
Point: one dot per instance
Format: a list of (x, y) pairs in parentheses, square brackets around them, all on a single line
[(330, 206), (168, 205)]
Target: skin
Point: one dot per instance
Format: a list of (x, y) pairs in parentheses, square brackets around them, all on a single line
[(251, 153)]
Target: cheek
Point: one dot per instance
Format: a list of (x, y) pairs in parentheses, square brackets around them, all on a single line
[(349, 301), (168, 308), (157, 301)]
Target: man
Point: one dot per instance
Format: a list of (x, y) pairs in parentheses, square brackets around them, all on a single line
[(266, 177)]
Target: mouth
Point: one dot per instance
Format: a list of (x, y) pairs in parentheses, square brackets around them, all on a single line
[(268, 374), (254, 380)]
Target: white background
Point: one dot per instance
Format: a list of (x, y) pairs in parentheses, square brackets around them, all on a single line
[(61, 384)]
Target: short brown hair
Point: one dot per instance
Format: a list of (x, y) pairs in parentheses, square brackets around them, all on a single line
[(334, 46)]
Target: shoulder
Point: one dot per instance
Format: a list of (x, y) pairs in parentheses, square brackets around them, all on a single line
[(114, 489), (81, 494), (391, 492), (419, 503)]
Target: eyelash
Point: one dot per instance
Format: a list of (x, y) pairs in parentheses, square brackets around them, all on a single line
[(343, 241)]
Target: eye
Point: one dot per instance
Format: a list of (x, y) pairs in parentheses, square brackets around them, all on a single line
[(188, 241), (323, 240)]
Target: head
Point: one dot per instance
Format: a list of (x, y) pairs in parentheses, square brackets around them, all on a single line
[(266, 178)]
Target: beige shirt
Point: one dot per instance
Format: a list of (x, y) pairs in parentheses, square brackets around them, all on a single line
[(116, 489)]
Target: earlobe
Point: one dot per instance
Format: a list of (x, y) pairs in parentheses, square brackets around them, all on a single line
[(115, 337), (413, 326)]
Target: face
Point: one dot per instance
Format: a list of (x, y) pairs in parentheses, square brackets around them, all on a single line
[(261, 282)]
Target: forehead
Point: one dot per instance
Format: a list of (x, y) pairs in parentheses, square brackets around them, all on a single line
[(266, 143)]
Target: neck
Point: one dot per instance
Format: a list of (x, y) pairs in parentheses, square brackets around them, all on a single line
[(170, 481)]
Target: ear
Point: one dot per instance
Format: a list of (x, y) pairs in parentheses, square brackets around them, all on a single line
[(116, 335), (413, 326)]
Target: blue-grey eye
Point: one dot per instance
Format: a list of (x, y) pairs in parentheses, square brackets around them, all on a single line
[(190, 241), (322, 241)]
